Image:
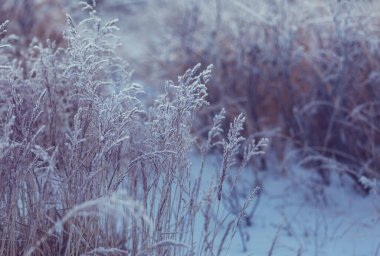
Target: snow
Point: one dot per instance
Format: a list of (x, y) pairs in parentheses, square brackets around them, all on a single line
[(299, 216)]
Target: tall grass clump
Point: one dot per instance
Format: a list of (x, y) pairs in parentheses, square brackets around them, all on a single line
[(86, 168)]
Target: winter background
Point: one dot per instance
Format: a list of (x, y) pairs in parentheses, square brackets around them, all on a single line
[(190, 127)]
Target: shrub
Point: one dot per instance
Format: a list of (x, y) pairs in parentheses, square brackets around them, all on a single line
[(35, 18), (309, 66)]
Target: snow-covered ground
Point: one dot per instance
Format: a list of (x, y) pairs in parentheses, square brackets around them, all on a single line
[(298, 216)]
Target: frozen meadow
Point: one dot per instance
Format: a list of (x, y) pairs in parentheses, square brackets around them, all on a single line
[(194, 127)]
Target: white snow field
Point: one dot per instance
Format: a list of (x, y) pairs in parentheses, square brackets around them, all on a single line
[(297, 216)]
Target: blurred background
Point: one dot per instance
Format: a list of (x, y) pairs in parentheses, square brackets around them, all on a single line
[(305, 73)]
